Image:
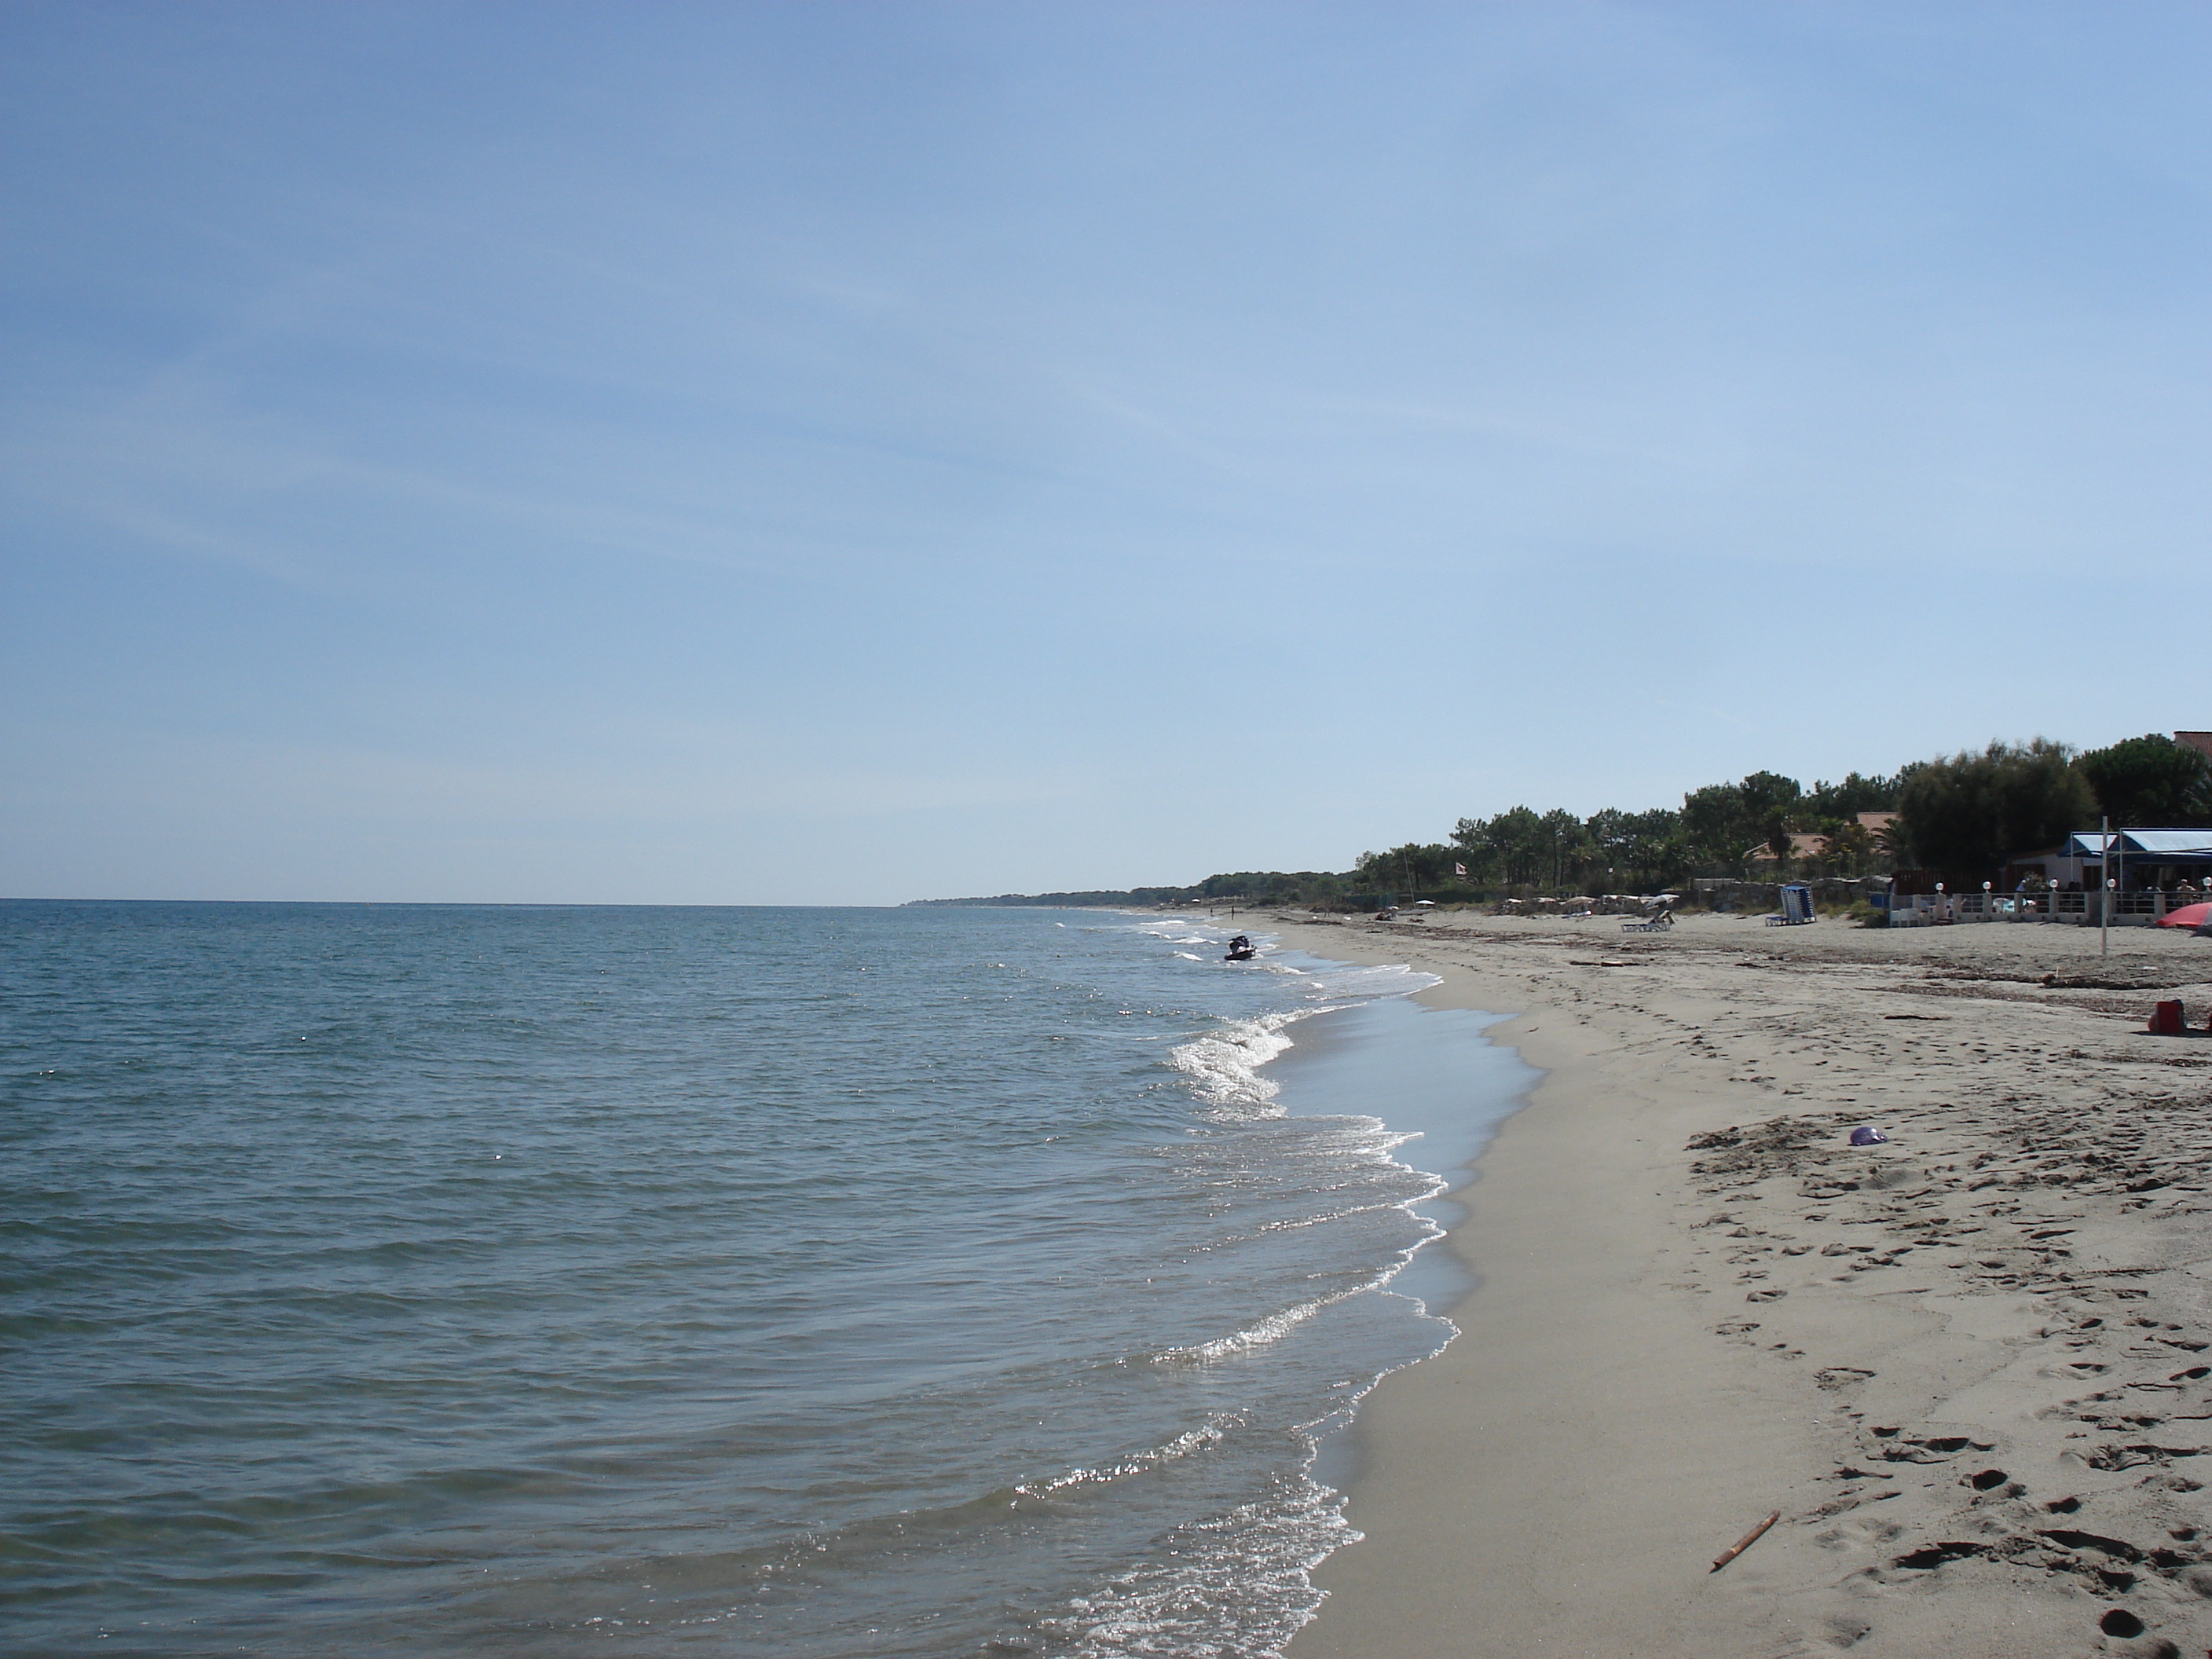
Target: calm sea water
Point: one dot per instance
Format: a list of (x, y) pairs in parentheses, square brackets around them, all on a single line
[(779, 1282)]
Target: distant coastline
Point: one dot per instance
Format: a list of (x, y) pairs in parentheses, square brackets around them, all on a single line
[(1307, 887), (1100, 900)]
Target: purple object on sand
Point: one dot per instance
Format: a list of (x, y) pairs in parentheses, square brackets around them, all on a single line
[(1867, 1135)]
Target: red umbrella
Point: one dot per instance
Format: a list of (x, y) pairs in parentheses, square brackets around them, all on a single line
[(2189, 915)]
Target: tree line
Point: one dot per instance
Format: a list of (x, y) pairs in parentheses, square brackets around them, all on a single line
[(1967, 813), (1720, 828)]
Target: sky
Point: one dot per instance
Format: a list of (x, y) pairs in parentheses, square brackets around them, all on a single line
[(839, 452)]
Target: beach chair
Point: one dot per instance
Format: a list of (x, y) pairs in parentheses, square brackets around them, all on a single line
[(1658, 924), (1796, 906)]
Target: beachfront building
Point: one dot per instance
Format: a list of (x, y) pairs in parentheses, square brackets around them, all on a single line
[(2157, 870)]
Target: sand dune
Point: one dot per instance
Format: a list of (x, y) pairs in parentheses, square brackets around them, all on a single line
[(1972, 1366)]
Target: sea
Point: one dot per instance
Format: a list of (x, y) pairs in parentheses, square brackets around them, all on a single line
[(791, 1283)]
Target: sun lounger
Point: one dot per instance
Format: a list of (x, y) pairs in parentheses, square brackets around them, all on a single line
[(1658, 924), (1796, 906)]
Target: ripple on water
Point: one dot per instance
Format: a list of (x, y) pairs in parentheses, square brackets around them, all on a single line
[(415, 1278)]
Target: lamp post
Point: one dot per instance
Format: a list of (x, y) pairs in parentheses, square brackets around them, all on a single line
[(2111, 887)]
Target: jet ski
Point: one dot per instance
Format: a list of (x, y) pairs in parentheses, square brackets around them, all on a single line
[(1241, 949)]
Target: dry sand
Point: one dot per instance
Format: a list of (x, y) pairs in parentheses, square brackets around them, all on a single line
[(1969, 1367)]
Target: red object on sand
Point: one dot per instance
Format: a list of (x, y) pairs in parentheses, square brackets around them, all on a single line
[(2189, 915), (2166, 1020)]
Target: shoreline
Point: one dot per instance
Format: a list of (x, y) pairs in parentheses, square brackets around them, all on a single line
[(1438, 1089), (1666, 1343)]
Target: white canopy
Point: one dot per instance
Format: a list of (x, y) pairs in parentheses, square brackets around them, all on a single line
[(2148, 844)]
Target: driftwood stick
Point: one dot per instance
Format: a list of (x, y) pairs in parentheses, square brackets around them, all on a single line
[(1744, 1542)]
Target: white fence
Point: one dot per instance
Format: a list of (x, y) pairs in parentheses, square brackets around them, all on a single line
[(2141, 907)]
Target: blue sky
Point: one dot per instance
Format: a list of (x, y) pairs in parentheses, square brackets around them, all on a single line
[(844, 453)]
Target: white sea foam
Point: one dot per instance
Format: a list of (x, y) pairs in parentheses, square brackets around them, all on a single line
[(1354, 982), (1326, 1217), (1193, 1440), (1277, 1326), (1224, 1065), (1173, 1606), (1272, 1329)]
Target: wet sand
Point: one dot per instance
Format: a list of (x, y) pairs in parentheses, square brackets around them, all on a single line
[(1969, 1367)]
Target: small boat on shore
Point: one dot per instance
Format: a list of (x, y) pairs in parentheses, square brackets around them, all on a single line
[(1241, 949)]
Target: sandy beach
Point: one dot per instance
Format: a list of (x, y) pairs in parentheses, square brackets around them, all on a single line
[(1969, 1367)]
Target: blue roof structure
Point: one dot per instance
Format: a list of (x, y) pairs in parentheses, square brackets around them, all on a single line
[(2150, 843)]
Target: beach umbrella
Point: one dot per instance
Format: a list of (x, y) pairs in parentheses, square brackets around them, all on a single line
[(2189, 915)]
